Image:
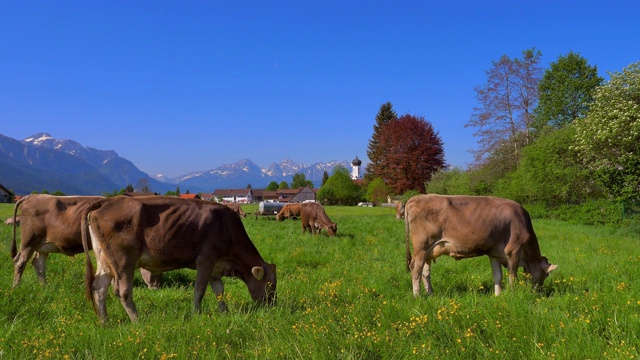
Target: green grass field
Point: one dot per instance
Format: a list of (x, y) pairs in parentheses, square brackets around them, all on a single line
[(344, 297)]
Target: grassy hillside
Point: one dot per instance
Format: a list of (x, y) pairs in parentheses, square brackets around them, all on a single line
[(345, 297)]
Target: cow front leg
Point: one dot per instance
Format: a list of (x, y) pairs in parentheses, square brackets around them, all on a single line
[(218, 288), (203, 276), (496, 270), (40, 265)]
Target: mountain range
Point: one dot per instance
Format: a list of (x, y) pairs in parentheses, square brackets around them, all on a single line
[(42, 162)]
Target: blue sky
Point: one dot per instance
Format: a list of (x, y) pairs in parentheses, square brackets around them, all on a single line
[(180, 86)]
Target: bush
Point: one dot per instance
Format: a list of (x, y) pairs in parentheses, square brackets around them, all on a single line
[(592, 212)]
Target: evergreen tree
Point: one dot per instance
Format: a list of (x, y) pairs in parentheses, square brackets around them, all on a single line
[(325, 177), (374, 152)]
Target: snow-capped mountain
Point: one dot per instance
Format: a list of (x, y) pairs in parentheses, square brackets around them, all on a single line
[(245, 172), (43, 162)]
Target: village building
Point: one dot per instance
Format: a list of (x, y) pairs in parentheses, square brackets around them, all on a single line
[(5, 194)]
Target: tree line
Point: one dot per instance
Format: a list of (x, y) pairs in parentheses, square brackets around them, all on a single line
[(555, 137)]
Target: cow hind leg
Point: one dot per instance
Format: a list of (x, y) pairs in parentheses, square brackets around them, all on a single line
[(99, 287), (125, 293), (496, 270), (421, 272), (218, 288), (19, 264), (40, 265)]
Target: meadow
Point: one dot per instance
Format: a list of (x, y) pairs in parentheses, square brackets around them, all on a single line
[(345, 297)]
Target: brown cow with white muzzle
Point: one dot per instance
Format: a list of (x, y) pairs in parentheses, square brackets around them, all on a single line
[(167, 233), (470, 226)]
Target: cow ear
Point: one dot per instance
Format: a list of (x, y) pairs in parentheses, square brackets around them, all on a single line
[(258, 272), (551, 268)]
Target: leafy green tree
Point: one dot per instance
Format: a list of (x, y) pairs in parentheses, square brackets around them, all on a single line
[(449, 182), (550, 172), (374, 151), (177, 190), (283, 185), (505, 116), (565, 91), (58, 193), (340, 189), (273, 186), (300, 180), (249, 186), (130, 188), (608, 138), (377, 191)]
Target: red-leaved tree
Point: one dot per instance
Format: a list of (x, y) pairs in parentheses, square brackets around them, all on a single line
[(410, 152)]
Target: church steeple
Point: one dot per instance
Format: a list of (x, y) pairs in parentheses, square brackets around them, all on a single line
[(355, 173)]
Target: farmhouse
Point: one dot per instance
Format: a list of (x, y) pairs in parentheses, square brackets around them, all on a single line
[(5, 194), (234, 195), (257, 195), (190, 196)]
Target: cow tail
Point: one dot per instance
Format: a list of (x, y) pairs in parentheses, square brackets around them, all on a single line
[(89, 273), (406, 237), (14, 248)]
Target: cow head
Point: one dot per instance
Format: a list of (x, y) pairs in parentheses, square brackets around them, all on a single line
[(332, 228), (262, 284), (539, 270)]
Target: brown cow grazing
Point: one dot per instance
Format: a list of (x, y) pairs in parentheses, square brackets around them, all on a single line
[(51, 224), (469, 226), (314, 219), (167, 233), (289, 211), (237, 209), (399, 210)]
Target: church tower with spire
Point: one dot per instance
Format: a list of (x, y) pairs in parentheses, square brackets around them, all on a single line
[(355, 172)]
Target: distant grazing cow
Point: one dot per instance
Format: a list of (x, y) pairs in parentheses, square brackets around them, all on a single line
[(166, 233), (289, 211), (314, 219), (399, 210), (51, 224), (237, 209), (470, 226)]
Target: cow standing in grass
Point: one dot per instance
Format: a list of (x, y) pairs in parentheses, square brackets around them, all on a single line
[(167, 233), (314, 219), (470, 226), (289, 211), (51, 224)]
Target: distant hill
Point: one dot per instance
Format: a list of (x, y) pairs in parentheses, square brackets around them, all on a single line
[(44, 162)]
